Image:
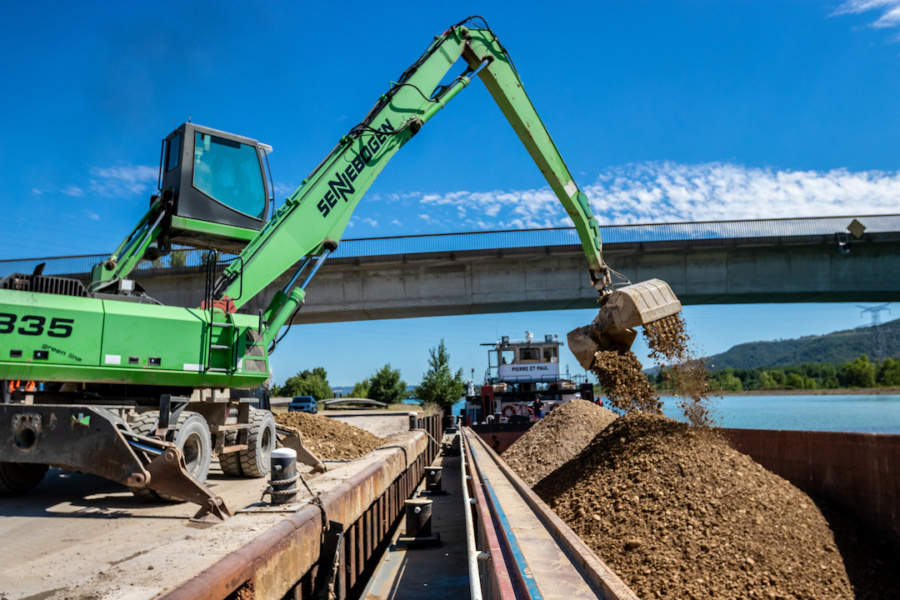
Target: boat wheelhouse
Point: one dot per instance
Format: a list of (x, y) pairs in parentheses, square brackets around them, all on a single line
[(519, 373)]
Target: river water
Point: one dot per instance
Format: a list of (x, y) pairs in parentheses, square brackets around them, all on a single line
[(864, 414)]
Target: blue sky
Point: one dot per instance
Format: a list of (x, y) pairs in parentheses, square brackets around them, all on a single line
[(664, 111)]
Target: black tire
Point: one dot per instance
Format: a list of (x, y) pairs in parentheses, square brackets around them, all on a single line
[(18, 478), (192, 436), (145, 424), (231, 462), (255, 460)]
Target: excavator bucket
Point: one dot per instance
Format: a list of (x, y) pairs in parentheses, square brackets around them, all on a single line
[(628, 307)]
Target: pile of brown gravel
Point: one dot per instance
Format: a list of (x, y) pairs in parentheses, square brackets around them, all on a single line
[(556, 439), (329, 439), (678, 513)]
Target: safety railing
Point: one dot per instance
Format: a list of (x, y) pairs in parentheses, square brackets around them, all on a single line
[(700, 232)]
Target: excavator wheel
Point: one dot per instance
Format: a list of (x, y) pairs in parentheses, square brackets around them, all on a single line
[(18, 478), (192, 436), (255, 460), (231, 462)]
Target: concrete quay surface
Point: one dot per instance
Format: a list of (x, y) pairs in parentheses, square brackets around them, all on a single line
[(81, 536)]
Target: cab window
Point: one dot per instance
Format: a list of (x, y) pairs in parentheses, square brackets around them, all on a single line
[(174, 151), (229, 172)]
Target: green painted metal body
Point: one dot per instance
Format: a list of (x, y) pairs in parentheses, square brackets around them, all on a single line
[(107, 333), (239, 234), (321, 207), (111, 341)]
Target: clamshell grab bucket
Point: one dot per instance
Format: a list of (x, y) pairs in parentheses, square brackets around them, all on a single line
[(628, 307)]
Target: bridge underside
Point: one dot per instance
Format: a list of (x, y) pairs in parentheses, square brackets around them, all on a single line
[(552, 278)]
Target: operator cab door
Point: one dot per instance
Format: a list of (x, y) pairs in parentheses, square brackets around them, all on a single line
[(220, 190)]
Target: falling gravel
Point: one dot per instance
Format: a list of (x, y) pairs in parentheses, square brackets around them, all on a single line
[(329, 439), (670, 348), (624, 383), (622, 379), (556, 439)]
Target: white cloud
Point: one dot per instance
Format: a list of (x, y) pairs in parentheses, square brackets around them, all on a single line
[(397, 223), (673, 192), (371, 222), (123, 181), (283, 190), (890, 11), (73, 190), (93, 216), (37, 192), (661, 192)]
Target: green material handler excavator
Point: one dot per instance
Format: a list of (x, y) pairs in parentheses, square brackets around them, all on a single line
[(130, 389)]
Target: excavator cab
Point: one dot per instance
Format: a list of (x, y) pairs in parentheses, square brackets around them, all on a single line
[(218, 181)]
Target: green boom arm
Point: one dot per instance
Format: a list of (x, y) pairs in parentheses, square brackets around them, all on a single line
[(314, 217)]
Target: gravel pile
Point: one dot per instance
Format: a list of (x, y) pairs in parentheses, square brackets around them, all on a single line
[(556, 439), (677, 513), (329, 439)]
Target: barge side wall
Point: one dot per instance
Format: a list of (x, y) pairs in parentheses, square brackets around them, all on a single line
[(858, 471)]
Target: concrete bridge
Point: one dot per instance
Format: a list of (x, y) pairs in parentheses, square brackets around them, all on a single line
[(769, 261)]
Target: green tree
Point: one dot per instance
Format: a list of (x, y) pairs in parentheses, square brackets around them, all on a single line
[(749, 378), (889, 372), (831, 382), (178, 258), (208, 257), (779, 376), (662, 381), (307, 383), (767, 381), (386, 385), (858, 372), (439, 385), (730, 383), (360, 389), (794, 381)]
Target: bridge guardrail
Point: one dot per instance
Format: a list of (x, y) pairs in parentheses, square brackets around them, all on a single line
[(697, 231)]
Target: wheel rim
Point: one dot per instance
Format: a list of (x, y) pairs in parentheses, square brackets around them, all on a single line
[(193, 450), (266, 443)]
